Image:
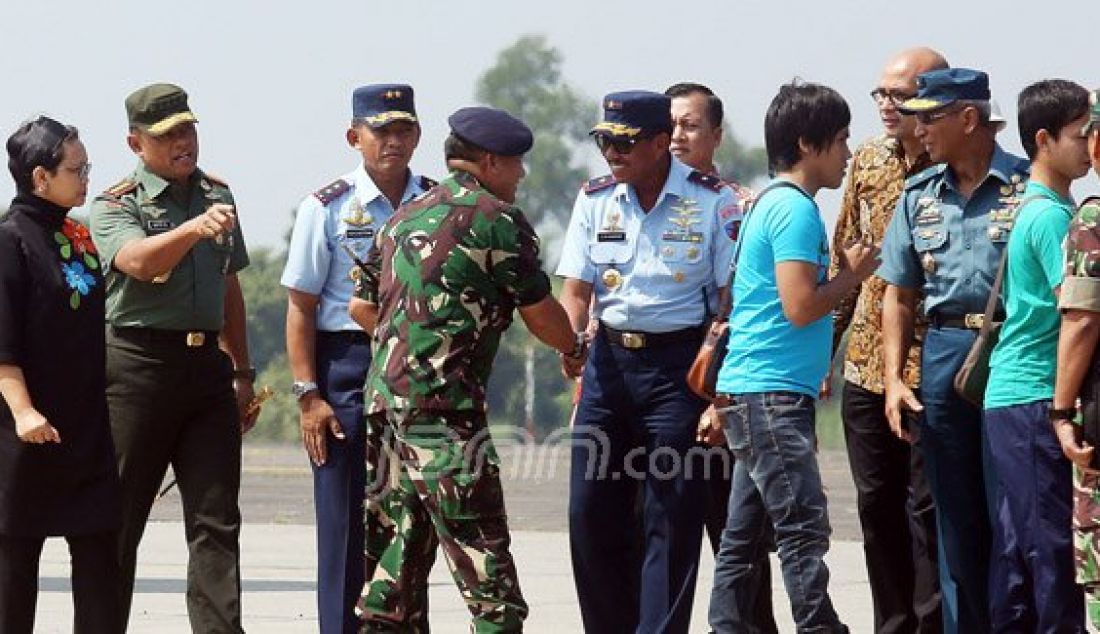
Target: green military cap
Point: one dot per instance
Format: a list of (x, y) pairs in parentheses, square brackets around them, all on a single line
[(157, 108), (1094, 113)]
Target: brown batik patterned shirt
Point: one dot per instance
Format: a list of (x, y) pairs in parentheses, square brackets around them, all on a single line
[(879, 170)]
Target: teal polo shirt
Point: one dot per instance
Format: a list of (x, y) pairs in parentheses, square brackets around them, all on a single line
[(1023, 362)]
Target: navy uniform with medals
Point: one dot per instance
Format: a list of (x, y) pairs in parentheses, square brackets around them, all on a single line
[(333, 228), (174, 395), (654, 276), (948, 247)]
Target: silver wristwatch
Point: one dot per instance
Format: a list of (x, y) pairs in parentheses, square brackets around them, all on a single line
[(301, 388)]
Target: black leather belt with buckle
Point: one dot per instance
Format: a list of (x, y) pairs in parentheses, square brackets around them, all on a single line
[(969, 321), (636, 340), (186, 338)]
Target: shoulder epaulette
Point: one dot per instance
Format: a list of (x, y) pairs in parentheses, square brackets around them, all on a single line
[(1023, 166), (427, 183), (599, 183), (920, 178), (217, 180), (332, 191), (710, 181), (121, 188)]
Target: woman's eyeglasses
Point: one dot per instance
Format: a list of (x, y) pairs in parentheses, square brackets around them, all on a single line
[(81, 172)]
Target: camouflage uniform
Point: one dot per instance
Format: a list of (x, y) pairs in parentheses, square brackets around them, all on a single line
[(446, 273), (1080, 292)]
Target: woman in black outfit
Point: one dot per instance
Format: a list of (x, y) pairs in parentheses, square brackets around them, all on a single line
[(57, 466)]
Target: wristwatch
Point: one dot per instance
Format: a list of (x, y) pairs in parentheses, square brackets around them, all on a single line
[(1067, 414), (580, 344), (301, 388), (248, 374)]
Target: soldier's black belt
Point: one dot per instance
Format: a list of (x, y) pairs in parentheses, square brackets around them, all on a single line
[(635, 340), (350, 336), (969, 321), (159, 336)]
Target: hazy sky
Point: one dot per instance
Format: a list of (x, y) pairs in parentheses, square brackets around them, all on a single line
[(271, 82)]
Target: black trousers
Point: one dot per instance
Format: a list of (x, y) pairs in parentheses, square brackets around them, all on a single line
[(171, 404), (94, 579), (896, 514)]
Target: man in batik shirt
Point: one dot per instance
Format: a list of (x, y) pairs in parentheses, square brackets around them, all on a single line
[(899, 539)]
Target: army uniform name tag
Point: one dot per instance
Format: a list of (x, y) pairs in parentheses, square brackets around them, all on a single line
[(611, 236)]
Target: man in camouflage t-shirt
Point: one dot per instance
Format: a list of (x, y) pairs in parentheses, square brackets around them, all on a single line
[(1080, 331), (442, 282)]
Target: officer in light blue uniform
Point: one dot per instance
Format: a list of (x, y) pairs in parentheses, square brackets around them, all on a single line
[(945, 242), (647, 245), (329, 353)]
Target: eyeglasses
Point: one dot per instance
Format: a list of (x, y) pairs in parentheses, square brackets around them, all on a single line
[(896, 97), (928, 118), (81, 172), (621, 146)]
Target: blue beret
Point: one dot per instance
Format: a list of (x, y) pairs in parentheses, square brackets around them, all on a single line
[(379, 104), (493, 130), (633, 112), (939, 88)]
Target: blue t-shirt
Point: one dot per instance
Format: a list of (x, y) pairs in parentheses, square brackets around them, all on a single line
[(767, 353)]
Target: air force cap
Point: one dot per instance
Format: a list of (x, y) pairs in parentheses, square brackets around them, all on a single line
[(630, 113), (380, 104)]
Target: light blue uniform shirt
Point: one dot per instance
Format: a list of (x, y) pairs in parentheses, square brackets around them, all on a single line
[(767, 353), (649, 270), (947, 246), (316, 263)]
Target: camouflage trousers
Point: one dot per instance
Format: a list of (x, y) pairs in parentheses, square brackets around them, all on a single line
[(438, 484), (1086, 538)]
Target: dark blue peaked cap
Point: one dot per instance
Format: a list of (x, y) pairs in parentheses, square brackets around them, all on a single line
[(939, 88), (493, 130), (632, 112), (379, 104)]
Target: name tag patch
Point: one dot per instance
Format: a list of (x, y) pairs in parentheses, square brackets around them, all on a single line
[(159, 224), (611, 236), (352, 234)]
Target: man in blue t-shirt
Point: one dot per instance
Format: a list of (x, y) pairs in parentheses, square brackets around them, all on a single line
[(1032, 541), (780, 338)]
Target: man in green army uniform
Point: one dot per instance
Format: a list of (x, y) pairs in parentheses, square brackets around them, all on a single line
[(179, 380), (1080, 304), (441, 285)]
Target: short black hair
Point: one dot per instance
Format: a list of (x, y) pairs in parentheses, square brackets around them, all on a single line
[(802, 111), (715, 112), (37, 143), (1049, 105), (457, 148)]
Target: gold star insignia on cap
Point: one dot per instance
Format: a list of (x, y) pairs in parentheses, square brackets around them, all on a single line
[(393, 94), (613, 105)]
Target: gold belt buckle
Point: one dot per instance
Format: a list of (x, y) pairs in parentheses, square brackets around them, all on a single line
[(974, 320), (633, 340), (196, 339)]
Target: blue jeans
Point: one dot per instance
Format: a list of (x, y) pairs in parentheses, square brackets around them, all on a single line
[(776, 476)]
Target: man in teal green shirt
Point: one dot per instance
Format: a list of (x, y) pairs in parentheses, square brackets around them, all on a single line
[(1031, 572)]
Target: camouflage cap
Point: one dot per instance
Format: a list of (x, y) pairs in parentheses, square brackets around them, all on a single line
[(157, 108), (1094, 113)]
